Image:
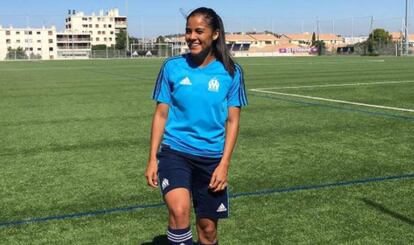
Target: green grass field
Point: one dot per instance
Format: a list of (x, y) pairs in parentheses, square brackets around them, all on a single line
[(329, 164)]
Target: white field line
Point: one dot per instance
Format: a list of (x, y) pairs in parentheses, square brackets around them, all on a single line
[(336, 101), (315, 63), (336, 85)]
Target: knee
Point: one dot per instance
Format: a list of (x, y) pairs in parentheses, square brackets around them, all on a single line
[(180, 213), (208, 232)]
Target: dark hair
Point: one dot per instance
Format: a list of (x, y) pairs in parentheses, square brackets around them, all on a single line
[(220, 49)]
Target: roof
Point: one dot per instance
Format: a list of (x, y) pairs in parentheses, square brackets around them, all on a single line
[(398, 36), (308, 37), (239, 38), (264, 37)]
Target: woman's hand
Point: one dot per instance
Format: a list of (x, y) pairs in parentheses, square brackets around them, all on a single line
[(151, 173), (218, 180)]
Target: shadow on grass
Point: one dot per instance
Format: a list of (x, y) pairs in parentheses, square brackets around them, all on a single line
[(158, 240), (385, 210)]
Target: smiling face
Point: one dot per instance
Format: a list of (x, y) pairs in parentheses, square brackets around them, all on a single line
[(200, 36)]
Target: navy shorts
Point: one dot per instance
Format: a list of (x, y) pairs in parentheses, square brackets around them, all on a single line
[(181, 170)]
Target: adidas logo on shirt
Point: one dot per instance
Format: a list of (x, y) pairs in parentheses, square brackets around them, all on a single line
[(186, 81), (221, 208)]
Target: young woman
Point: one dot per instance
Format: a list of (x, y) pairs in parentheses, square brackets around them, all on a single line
[(196, 123)]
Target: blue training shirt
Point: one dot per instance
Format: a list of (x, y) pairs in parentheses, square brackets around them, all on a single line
[(198, 99)]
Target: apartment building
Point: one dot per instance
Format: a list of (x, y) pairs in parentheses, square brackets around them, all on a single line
[(73, 45), (38, 43), (102, 27)]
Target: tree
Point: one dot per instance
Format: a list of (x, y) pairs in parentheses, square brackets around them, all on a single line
[(320, 45), (99, 47), (378, 39), (313, 39), (121, 40), (160, 39), (18, 53)]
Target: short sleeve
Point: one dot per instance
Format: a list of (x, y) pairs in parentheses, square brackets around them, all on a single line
[(236, 96), (162, 91)]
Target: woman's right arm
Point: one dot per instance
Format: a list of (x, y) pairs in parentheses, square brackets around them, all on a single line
[(157, 130)]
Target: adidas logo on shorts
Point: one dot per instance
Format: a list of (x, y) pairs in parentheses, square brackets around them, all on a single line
[(221, 208), (165, 183)]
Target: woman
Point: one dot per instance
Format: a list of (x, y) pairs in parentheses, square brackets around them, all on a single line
[(199, 96)]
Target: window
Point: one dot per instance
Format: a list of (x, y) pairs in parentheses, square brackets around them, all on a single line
[(99, 32), (97, 39), (39, 41), (84, 19), (8, 41), (18, 41), (50, 33), (51, 49), (50, 40), (17, 33), (97, 25), (90, 25), (112, 32), (105, 39), (38, 33), (109, 26), (103, 32), (7, 33), (90, 18), (39, 49), (110, 39), (28, 32)]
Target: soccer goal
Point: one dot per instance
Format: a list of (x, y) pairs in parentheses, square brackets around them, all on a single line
[(151, 49)]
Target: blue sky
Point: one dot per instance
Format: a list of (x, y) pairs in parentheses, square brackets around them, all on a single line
[(160, 17)]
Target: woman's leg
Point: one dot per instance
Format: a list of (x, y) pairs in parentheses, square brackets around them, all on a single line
[(178, 202), (207, 230)]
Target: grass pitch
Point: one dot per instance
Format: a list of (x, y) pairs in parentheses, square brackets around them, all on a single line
[(74, 143)]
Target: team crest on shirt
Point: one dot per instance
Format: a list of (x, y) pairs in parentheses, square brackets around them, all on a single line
[(213, 85)]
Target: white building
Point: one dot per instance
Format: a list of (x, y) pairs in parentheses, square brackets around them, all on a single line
[(38, 43), (73, 45), (102, 28)]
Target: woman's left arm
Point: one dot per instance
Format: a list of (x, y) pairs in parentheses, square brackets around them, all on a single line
[(218, 180)]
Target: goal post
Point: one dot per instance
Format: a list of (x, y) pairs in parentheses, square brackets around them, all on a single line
[(153, 50)]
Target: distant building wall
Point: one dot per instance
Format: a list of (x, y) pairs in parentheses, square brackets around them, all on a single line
[(34, 41), (102, 27)]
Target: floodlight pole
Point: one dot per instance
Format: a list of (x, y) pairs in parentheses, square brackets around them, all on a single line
[(371, 26), (406, 29), (317, 28), (126, 29)]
